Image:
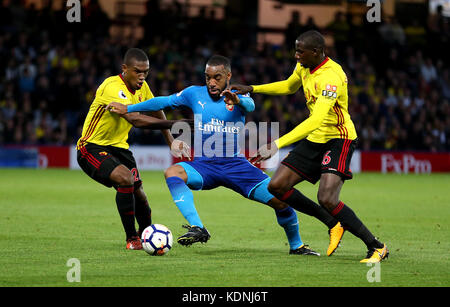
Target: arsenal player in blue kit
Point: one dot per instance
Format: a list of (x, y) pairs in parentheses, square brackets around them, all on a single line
[(218, 161)]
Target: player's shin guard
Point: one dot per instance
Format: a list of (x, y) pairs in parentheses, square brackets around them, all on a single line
[(301, 203), (287, 218), (184, 199), (125, 206), (350, 221)]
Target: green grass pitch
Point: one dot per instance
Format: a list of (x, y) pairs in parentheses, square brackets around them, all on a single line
[(51, 216)]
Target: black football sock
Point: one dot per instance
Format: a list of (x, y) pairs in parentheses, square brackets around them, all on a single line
[(300, 202), (143, 214), (352, 223), (125, 206)]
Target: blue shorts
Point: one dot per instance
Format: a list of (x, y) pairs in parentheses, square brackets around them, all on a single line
[(236, 174)]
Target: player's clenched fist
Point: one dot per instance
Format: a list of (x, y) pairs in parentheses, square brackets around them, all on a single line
[(117, 108)]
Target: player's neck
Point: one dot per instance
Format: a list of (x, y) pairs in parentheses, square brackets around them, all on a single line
[(127, 83), (319, 63)]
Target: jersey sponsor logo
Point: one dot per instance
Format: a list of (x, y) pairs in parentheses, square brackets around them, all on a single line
[(330, 91), (230, 107), (122, 95), (218, 125), (331, 87)]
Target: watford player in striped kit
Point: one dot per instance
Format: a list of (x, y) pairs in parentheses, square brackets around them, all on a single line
[(102, 150), (326, 141)]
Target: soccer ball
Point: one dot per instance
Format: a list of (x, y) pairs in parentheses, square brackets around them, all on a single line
[(157, 239)]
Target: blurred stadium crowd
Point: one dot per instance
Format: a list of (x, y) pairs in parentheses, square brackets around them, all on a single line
[(399, 77)]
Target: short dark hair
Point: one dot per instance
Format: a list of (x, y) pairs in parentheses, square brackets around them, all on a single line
[(135, 53), (312, 39), (217, 60)]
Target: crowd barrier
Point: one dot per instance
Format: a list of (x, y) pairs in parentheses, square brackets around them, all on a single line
[(159, 158)]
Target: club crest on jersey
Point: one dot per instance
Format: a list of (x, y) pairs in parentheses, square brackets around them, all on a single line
[(122, 95), (230, 107), (140, 98), (103, 153)]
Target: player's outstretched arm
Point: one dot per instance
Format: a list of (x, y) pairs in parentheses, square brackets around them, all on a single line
[(178, 148), (118, 108), (230, 97), (245, 102), (149, 122), (264, 152), (307, 126), (154, 104), (285, 87), (241, 89)]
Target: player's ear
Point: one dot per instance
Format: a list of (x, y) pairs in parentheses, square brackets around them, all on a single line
[(229, 76), (124, 68)]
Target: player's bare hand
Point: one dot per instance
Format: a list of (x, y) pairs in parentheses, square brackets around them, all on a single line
[(264, 152), (180, 149), (117, 108), (230, 97), (241, 89)]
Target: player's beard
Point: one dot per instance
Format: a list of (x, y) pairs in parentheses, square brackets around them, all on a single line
[(215, 96)]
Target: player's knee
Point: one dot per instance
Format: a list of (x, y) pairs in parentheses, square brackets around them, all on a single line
[(126, 179), (122, 177), (174, 171), (326, 200), (277, 188)]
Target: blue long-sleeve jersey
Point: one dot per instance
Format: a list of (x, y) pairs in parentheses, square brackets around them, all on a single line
[(218, 126)]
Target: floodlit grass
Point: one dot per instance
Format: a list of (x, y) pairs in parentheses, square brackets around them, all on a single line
[(50, 216)]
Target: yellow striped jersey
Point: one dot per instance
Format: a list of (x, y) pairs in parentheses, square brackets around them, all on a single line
[(325, 90), (105, 128)]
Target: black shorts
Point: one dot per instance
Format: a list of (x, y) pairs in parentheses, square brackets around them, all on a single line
[(310, 160), (99, 162)]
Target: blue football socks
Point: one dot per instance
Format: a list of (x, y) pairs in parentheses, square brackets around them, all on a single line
[(184, 199), (287, 218)]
